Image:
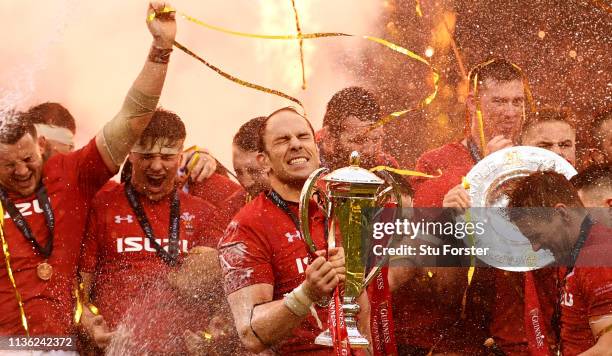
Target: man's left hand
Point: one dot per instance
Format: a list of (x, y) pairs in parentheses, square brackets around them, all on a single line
[(200, 164)]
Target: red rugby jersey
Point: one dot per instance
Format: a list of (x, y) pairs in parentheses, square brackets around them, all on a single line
[(226, 195), (454, 160), (71, 181), (123, 260), (262, 245), (423, 316), (587, 291)]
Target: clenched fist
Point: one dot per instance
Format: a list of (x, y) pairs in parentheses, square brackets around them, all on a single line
[(162, 24)]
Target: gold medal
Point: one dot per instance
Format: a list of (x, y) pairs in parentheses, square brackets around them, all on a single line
[(44, 271)]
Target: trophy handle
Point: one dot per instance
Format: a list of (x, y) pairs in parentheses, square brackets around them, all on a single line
[(392, 190), (309, 189)]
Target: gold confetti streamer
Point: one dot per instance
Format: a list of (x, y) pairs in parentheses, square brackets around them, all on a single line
[(9, 270), (238, 80), (301, 36), (483, 143), (79, 293), (78, 308), (405, 172), (472, 268), (301, 42), (419, 12)]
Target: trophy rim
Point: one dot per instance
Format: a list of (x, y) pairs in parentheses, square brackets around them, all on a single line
[(511, 251)]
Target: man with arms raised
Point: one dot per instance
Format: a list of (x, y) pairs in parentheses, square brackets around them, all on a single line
[(272, 283), (138, 231), (548, 211), (47, 203)]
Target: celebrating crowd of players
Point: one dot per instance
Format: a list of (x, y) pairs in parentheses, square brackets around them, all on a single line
[(203, 265)]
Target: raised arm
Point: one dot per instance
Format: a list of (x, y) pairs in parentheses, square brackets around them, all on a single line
[(118, 135)]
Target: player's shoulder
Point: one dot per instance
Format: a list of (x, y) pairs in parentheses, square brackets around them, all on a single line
[(256, 211), (109, 192), (62, 164), (445, 152), (190, 199), (197, 204), (596, 252)]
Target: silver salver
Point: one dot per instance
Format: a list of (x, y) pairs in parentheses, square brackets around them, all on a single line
[(488, 181)]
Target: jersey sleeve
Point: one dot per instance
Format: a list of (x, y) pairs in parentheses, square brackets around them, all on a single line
[(597, 287), (245, 257), (430, 192), (84, 167), (426, 193), (216, 189), (91, 240)]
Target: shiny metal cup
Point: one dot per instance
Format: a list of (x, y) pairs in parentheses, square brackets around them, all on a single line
[(347, 192)]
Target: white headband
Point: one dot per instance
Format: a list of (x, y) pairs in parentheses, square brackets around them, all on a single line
[(55, 133), (158, 148)]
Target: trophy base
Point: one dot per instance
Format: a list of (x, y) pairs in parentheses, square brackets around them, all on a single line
[(354, 336), (355, 339)]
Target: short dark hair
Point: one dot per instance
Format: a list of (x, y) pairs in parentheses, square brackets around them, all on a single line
[(52, 114), (163, 125), (550, 115), (541, 190), (247, 137), (597, 175), (598, 122), (264, 125), (14, 125), (351, 101), (498, 69)]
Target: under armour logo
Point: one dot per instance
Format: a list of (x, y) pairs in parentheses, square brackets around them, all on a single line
[(128, 218), (291, 236)]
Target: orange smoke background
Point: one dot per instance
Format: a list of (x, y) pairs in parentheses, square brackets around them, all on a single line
[(86, 54)]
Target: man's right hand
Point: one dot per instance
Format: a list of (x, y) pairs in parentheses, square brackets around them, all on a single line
[(162, 25), (321, 278), (457, 198), (497, 143), (96, 328)]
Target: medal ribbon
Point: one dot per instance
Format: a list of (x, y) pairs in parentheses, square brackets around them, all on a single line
[(381, 319), (534, 327), (169, 257), (24, 227), (337, 325), (282, 205)]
